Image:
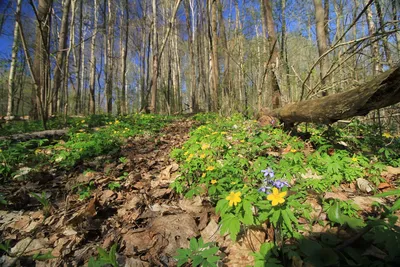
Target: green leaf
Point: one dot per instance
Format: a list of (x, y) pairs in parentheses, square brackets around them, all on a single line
[(197, 260), (334, 214), (209, 252), (329, 257), (103, 254), (309, 247), (231, 224), (275, 217), (352, 222), (395, 206), (193, 244), (213, 259), (395, 192), (43, 257), (287, 220)]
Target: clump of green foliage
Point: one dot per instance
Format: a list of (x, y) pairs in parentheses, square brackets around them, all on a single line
[(256, 174), (87, 138), (105, 258), (198, 254)]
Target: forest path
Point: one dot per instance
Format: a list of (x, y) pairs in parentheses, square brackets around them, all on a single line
[(124, 200)]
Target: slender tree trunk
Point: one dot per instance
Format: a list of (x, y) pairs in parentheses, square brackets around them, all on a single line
[(92, 88), (61, 54), (124, 107), (78, 60), (189, 22), (322, 41), (385, 38), (214, 57), (41, 60), (11, 78), (110, 61), (374, 46), (273, 63), (153, 103), (284, 50)]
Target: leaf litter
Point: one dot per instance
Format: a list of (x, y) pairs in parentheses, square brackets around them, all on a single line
[(147, 220)]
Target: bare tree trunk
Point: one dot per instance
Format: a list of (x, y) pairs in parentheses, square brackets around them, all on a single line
[(321, 40), (41, 60), (92, 105), (226, 83), (124, 107), (396, 12), (110, 61), (273, 62), (214, 57), (11, 78), (284, 50), (190, 22), (385, 38), (374, 46), (78, 60), (61, 53), (153, 103)]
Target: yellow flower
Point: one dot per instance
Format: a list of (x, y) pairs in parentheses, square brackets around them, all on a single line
[(115, 132), (186, 152), (387, 135), (276, 197), (82, 121), (241, 141), (203, 175), (234, 198), (190, 157), (354, 159), (233, 183), (202, 156), (245, 186), (213, 181), (205, 146), (214, 133), (293, 150), (210, 168), (1, 150), (223, 132)]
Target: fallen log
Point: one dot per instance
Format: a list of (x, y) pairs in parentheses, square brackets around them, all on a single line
[(50, 134), (382, 91)]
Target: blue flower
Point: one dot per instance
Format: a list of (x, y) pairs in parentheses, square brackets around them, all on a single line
[(268, 172), (265, 189), (279, 184)]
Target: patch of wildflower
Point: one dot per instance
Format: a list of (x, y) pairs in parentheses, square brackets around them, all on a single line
[(213, 181), (210, 168), (268, 183), (205, 146), (275, 197), (387, 135), (234, 198)]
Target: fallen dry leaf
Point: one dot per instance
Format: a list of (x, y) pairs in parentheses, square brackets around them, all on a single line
[(176, 230), (365, 203), (338, 195), (364, 185), (210, 233)]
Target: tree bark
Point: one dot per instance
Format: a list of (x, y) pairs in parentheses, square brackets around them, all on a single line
[(321, 40), (382, 91), (11, 78), (214, 57), (92, 105), (61, 53)]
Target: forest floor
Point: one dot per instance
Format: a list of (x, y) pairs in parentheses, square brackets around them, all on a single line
[(127, 199)]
